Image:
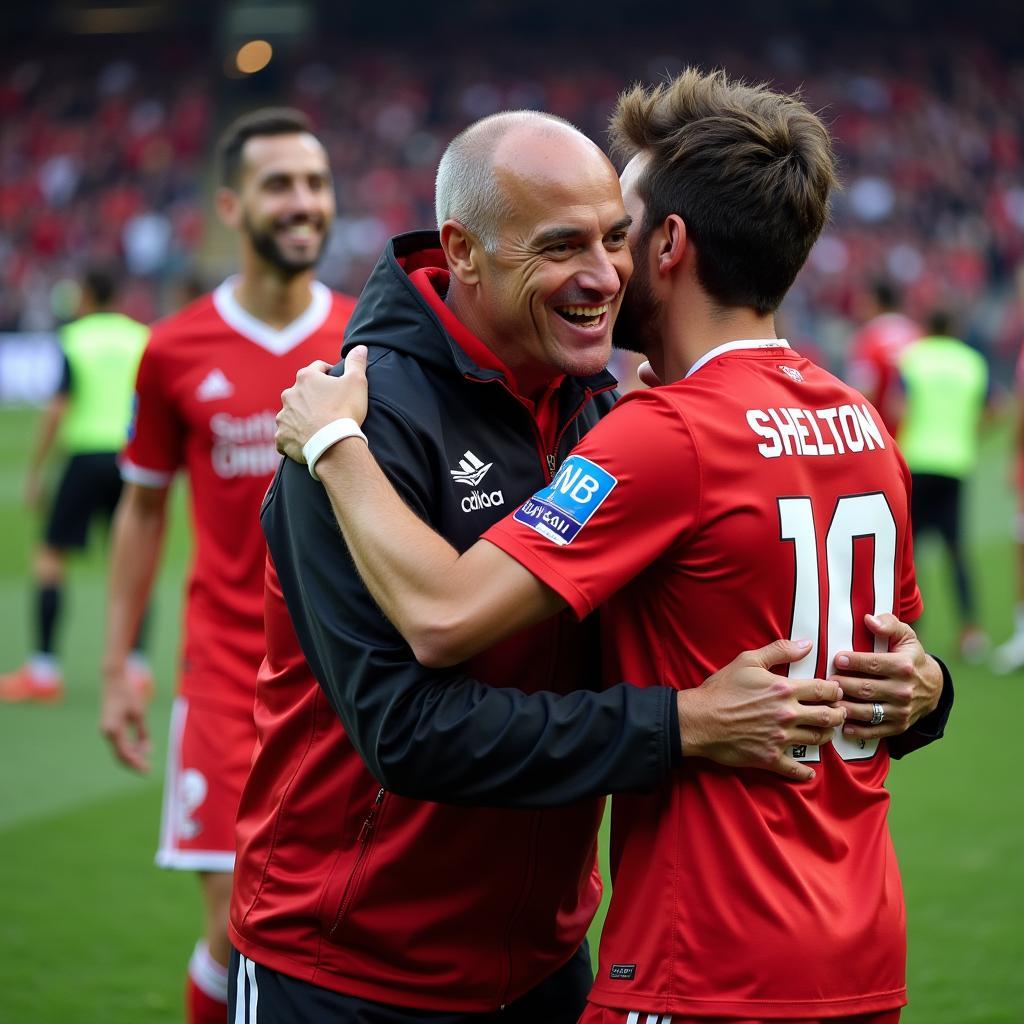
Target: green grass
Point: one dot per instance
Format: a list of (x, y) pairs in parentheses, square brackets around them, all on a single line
[(92, 933)]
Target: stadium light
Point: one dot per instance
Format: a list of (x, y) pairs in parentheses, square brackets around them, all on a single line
[(253, 56)]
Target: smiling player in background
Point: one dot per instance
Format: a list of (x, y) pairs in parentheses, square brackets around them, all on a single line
[(208, 386)]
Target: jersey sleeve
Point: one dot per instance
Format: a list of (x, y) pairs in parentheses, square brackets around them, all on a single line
[(627, 493), (155, 442), (439, 734)]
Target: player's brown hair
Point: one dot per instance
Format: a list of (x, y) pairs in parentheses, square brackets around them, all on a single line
[(265, 121), (749, 171)]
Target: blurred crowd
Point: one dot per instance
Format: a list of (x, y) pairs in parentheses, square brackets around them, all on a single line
[(112, 158)]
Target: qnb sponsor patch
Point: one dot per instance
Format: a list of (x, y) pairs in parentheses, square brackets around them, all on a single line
[(564, 507)]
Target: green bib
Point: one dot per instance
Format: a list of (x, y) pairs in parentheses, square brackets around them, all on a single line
[(103, 351), (946, 384)]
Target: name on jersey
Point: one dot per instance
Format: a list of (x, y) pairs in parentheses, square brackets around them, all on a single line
[(835, 431), (563, 508), (244, 445)]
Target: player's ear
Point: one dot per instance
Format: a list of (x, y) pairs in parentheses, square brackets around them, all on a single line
[(462, 250), (671, 242), (229, 207)]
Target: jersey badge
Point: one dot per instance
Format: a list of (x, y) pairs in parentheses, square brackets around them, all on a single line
[(792, 373), (215, 385), (471, 470), (565, 506)]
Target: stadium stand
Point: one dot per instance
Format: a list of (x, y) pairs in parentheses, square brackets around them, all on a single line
[(105, 156)]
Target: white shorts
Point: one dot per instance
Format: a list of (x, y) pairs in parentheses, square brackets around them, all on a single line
[(208, 759)]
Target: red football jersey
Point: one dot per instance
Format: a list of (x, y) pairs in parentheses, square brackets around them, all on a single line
[(874, 359), (758, 498), (208, 389)]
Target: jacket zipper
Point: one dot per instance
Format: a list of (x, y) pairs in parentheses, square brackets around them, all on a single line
[(365, 835), (527, 889), (588, 396), (549, 460)]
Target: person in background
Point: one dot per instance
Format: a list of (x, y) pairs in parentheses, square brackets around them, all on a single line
[(88, 418), (1009, 655), (945, 388), (876, 348), (208, 386)]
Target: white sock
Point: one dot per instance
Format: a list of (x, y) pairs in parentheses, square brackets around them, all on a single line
[(209, 976), (45, 668)]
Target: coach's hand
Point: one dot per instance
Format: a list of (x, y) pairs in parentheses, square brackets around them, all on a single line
[(123, 718), (906, 681), (316, 398), (746, 716)]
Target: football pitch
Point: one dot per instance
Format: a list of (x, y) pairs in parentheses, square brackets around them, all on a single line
[(92, 933)]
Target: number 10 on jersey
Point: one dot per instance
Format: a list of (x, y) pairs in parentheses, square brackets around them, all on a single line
[(854, 517)]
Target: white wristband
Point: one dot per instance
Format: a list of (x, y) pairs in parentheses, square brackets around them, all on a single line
[(332, 433)]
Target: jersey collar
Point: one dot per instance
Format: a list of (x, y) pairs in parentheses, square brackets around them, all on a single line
[(734, 346), (276, 341)]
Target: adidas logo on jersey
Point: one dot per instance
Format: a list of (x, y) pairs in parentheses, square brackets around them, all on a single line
[(214, 385), (471, 470)]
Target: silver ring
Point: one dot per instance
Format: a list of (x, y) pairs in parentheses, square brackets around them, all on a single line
[(877, 714)]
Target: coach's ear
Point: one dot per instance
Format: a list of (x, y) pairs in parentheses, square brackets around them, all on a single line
[(229, 207), (462, 251)]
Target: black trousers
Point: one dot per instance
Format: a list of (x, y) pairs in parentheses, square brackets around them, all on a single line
[(935, 505), (269, 997)]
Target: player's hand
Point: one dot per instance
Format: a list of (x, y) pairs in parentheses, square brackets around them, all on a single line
[(123, 718), (746, 716), (906, 681), (316, 398)]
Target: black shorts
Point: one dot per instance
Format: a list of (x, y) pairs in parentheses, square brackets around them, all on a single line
[(935, 505), (269, 997), (90, 485)]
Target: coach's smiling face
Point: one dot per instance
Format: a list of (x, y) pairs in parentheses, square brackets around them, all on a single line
[(546, 293)]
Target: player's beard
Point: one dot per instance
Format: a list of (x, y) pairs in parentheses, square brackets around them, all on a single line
[(635, 325), (265, 244)]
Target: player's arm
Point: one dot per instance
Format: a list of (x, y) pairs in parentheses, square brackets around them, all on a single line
[(617, 740), (148, 464), (448, 607), (46, 434), (439, 734), (136, 542)]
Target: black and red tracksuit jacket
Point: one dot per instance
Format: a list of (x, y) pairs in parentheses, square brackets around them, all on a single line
[(346, 875)]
